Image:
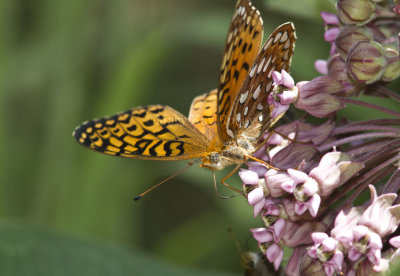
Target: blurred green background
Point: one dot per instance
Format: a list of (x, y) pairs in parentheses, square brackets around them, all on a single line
[(66, 210)]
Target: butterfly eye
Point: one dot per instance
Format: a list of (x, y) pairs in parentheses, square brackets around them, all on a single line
[(214, 157)]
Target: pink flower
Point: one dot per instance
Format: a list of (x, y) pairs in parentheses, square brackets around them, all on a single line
[(262, 235), (249, 177), (275, 255), (304, 189), (329, 18), (333, 170), (381, 216), (344, 223), (268, 245), (365, 243), (321, 66), (276, 225), (334, 264), (332, 29), (395, 241), (255, 189), (312, 205), (331, 34), (274, 181), (283, 94), (297, 177), (325, 249), (283, 79)]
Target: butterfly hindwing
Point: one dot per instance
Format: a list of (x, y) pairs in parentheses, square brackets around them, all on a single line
[(203, 114), (151, 132), (250, 114), (242, 46)]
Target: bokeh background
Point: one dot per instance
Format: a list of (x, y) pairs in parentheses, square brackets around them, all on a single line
[(65, 210)]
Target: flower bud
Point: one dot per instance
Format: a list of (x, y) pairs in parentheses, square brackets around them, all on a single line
[(316, 97), (392, 71), (366, 61), (348, 37), (299, 233), (317, 134), (355, 11), (337, 70), (293, 155)]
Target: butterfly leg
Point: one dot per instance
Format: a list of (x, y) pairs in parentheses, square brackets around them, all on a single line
[(216, 190), (229, 175), (247, 157)]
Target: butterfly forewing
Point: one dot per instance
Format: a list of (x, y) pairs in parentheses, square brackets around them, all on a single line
[(152, 132), (242, 46), (250, 114)]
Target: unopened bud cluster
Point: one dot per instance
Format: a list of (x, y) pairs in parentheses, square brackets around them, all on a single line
[(308, 205)]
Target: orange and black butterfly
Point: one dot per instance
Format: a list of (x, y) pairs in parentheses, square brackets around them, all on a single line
[(224, 126)]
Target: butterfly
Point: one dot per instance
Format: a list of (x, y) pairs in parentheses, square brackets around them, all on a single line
[(224, 126)]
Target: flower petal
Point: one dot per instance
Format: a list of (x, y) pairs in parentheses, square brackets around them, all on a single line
[(249, 177), (255, 195), (262, 235)]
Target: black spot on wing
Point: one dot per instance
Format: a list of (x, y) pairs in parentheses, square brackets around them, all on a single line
[(152, 150), (132, 128), (149, 123), (81, 130), (158, 110)]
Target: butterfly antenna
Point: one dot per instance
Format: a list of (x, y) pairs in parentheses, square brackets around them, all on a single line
[(165, 180)]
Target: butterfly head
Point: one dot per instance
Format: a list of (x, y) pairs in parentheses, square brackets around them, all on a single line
[(216, 161), (231, 153), (213, 161)]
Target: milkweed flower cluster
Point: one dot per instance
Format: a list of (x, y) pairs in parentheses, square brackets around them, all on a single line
[(309, 203)]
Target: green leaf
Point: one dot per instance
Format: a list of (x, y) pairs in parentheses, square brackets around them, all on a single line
[(28, 250)]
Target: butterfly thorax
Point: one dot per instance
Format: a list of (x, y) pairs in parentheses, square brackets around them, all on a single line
[(232, 152)]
